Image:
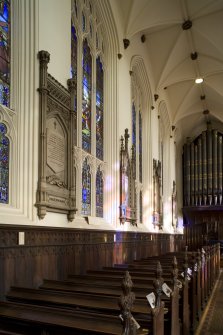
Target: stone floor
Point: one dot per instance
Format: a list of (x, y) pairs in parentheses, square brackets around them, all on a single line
[(212, 319)]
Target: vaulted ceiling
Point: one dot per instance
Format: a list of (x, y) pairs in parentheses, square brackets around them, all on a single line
[(184, 39)]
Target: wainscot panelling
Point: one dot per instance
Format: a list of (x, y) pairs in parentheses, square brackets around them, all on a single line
[(53, 253)]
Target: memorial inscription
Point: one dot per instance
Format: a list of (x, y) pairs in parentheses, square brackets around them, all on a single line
[(55, 151)]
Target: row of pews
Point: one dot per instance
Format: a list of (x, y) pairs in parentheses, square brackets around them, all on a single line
[(158, 295)]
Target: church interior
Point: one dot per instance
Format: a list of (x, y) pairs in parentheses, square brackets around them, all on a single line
[(111, 167)]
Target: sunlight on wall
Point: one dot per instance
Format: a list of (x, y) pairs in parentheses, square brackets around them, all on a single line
[(180, 227), (167, 216), (108, 183)]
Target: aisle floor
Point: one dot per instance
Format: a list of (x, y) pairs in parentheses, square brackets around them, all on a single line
[(212, 319)]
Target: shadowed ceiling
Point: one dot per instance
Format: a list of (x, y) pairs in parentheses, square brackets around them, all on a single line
[(180, 54)]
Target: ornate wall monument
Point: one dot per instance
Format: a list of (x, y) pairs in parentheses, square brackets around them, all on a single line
[(127, 183), (157, 194), (56, 180)]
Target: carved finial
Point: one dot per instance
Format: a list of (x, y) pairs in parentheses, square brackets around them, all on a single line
[(122, 143), (198, 258), (133, 152), (175, 271), (193, 260), (72, 84), (126, 303), (44, 56), (126, 139), (157, 284), (202, 256), (185, 264)]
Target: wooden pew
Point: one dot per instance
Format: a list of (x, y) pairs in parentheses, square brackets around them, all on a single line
[(89, 303), (46, 318), (36, 320), (97, 278)]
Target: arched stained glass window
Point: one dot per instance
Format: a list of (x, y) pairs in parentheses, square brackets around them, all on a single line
[(99, 193), (4, 51), (99, 108), (140, 147), (87, 35), (134, 135), (73, 52), (4, 165), (86, 97), (133, 125), (86, 189)]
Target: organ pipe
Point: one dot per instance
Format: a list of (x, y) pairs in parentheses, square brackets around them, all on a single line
[(202, 169), (188, 173), (196, 174), (185, 174), (192, 173), (215, 165), (209, 163), (220, 168)]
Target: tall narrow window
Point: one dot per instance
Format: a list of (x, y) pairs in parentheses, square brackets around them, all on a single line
[(86, 189), (133, 125), (4, 165), (99, 109), (140, 147), (99, 193), (4, 51), (86, 101), (134, 136), (73, 52)]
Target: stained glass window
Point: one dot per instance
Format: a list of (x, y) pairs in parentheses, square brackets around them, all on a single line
[(4, 165), (86, 97), (140, 147), (86, 189), (73, 52), (134, 134), (99, 109), (133, 125), (99, 193), (140, 207), (4, 51)]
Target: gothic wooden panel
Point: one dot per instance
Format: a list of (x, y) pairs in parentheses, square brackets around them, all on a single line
[(53, 253)]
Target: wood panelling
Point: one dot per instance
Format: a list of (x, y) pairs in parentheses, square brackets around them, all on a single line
[(53, 253)]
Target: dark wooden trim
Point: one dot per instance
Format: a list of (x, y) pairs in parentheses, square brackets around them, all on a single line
[(53, 253)]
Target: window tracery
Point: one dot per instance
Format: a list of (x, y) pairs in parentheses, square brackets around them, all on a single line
[(87, 65), (4, 52)]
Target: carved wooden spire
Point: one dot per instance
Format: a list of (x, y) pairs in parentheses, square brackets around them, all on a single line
[(175, 271), (157, 284), (126, 139), (125, 303)]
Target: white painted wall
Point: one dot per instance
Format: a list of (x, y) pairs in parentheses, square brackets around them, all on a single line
[(49, 29), (55, 36)]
